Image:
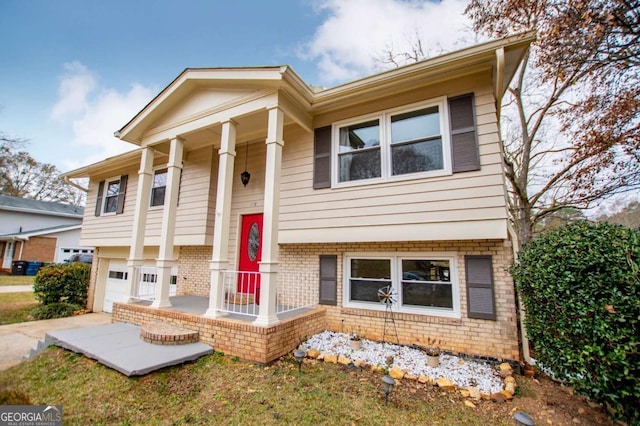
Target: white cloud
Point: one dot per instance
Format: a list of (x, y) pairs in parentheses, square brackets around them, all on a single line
[(75, 85), (94, 114), (356, 33)]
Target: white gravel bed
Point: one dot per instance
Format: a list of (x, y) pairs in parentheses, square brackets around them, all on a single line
[(462, 373)]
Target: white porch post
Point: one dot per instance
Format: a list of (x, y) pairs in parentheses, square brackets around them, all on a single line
[(220, 252), (136, 257), (269, 264), (165, 258)]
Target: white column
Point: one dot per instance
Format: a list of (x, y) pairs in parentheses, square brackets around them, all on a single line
[(136, 257), (269, 264), (165, 260), (222, 222)]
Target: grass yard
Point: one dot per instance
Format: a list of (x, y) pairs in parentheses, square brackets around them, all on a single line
[(221, 390), (16, 307), (16, 280)]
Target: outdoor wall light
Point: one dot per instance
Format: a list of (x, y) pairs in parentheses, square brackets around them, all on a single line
[(388, 384), (523, 419), (299, 355), (245, 176)]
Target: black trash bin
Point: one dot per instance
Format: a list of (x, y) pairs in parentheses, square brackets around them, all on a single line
[(19, 267)]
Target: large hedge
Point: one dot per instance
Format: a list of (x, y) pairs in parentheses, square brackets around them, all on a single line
[(62, 283), (580, 285)]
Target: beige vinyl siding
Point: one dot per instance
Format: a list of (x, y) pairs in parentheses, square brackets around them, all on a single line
[(109, 230), (249, 199), (469, 199), (194, 219)]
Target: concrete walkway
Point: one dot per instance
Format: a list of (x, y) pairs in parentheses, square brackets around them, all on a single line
[(16, 288), (16, 340)]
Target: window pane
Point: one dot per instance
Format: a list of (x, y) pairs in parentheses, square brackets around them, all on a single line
[(359, 136), (110, 204), (157, 196), (371, 268), (427, 294), (160, 178), (417, 157), (415, 125), (366, 291), (425, 270), (360, 165), (113, 188)]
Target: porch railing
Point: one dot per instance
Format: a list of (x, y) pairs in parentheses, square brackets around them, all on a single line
[(295, 290), (145, 283)]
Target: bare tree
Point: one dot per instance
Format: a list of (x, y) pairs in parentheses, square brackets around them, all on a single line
[(22, 176), (571, 124)]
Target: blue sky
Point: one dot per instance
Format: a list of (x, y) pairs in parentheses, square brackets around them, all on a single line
[(74, 71)]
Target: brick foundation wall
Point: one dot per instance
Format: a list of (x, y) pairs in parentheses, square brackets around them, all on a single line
[(235, 338), (41, 249), (194, 274), (497, 339)]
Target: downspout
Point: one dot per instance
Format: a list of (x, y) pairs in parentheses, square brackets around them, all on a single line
[(68, 181), (499, 79)]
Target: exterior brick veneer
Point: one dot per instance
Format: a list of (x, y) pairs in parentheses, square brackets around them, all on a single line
[(159, 333), (476, 337), (235, 338), (194, 274)]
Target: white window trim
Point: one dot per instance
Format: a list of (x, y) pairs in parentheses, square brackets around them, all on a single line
[(384, 118), (396, 258), (104, 195), (153, 175)]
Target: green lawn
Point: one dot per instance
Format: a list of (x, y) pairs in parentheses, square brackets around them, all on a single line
[(16, 307), (221, 390), (16, 280)]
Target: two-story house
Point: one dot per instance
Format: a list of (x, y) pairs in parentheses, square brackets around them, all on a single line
[(259, 209)]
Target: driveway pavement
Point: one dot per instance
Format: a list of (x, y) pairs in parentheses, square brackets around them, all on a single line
[(16, 288), (16, 340)]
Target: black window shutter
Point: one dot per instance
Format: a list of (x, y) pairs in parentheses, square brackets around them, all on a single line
[(464, 135), (99, 200), (322, 158), (328, 279), (121, 194), (480, 290)]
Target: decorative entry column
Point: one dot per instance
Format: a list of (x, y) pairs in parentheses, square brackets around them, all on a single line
[(165, 260), (269, 264), (136, 252), (222, 222)]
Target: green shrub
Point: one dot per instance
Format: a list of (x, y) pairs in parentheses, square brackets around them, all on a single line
[(62, 283), (55, 310), (580, 287)]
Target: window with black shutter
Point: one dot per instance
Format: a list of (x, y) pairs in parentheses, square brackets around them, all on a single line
[(328, 280), (480, 287), (111, 195)]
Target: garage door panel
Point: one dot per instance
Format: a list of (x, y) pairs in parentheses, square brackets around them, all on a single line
[(116, 286)]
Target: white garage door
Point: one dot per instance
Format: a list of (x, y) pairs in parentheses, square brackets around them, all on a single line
[(116, 288)]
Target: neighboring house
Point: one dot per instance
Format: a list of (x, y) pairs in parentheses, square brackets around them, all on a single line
[(38, 231), (393, 181)]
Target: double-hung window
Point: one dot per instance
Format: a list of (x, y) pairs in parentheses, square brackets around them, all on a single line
[(111, 196), (421, 284), (393, 144), (159, 187)]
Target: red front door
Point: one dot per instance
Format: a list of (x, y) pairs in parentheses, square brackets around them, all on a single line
[(250, 255)]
